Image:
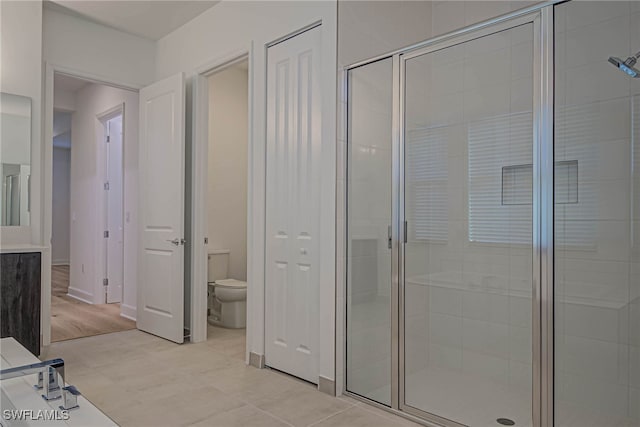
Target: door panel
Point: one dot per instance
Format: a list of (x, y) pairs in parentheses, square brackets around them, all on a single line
[(161, 261), (596, 218), (292, 205), (468, 257), (369, 168), (115, 242)]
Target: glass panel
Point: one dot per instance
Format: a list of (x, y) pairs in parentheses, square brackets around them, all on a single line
[(468, 203), (15, 153), (369, 219), (597, 212)]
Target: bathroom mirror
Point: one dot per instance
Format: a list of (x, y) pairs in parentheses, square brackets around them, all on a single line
[(15, 159)]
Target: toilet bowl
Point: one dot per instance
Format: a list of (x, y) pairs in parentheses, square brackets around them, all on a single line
[(232, 296), (227, 297)]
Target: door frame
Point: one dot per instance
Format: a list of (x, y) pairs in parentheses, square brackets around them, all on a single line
[(541, 15), (198, 140), (47, 175), (104, 118), (400, 201), (329, 377)]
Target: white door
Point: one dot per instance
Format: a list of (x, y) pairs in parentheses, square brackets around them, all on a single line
[(114, 190), (161, 210), (293, 204)]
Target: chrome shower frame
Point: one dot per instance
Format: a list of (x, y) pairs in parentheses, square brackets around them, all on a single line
[(541, 17)]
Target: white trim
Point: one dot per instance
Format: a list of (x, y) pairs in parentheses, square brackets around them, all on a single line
[(328, 193), (199, 179), (223, 62), (95, 78), (111, 113), (128, 311), (60, 262), (47, 177), (294, 33), (80, 295), (199, 162)]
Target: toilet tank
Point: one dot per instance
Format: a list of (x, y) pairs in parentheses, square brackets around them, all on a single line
[(218, 264)]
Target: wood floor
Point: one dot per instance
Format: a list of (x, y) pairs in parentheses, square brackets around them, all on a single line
[(71, 318)]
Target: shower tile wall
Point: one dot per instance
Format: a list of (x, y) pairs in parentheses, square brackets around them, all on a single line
[(597, 284)]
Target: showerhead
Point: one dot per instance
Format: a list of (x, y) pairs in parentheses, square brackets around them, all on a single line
[(626, 66)]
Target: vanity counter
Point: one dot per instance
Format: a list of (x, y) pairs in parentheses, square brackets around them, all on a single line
[(18, 395), (21, 248)]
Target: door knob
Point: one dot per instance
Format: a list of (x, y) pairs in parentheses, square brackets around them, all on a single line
[(177, 241)]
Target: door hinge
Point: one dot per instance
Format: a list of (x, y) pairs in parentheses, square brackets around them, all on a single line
[(108, 138), (106, 234), (105, 282), (106, 185), (206, 240)]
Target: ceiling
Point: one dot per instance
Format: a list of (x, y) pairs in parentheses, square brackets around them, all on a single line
[(151, 19), (67, 83)]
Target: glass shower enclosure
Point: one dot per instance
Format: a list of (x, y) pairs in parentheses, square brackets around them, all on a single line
[(492, 217)]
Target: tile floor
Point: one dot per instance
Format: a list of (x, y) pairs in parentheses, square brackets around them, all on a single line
[(140, 380)]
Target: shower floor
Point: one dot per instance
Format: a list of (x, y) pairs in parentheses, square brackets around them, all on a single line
[(467, 400), (479, 402)]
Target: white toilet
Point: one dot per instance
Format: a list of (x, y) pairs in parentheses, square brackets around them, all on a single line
[(227, 297)]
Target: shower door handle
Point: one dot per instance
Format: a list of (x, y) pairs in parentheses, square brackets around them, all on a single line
[(406, 231)]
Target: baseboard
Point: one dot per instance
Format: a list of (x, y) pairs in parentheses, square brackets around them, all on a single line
[(326, 385), (80, 295), (128, 312), (60, 262), (256, 360)]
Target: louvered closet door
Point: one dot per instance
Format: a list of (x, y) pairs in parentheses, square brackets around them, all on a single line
[(292, 205)]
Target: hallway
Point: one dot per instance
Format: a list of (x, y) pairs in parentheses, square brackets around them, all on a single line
[(71, 318)]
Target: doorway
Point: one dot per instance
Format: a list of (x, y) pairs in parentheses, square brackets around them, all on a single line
[(226, 216), (88, 292)]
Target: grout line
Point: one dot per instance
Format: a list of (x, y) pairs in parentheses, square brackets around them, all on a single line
[(332, 415), (270, 414), (384, 414)]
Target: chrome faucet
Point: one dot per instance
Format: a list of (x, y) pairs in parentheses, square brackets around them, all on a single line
[(53, 371)]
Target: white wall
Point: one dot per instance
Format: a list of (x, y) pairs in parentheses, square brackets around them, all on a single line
[(21, 59), (93, 49), (232, 27), (64, 100), (61, 203), (87, 175), (228, 145)]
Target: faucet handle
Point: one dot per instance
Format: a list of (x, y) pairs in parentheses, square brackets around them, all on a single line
[(69, 397), (52, 387)]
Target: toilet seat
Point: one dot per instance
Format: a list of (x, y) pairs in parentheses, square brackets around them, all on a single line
[(230, 283)]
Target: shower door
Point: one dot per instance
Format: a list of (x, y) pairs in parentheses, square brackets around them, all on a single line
[(449, 180), (468, 266)]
